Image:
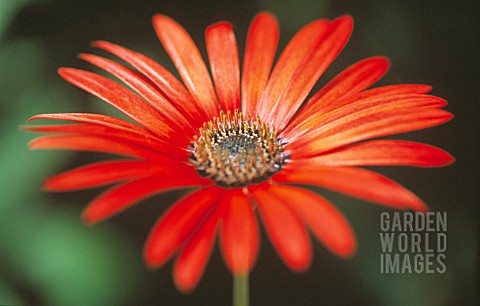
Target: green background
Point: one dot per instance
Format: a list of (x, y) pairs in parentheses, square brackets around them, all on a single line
[(48, 257)]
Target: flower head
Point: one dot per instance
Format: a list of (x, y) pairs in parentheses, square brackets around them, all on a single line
[(242, 140)]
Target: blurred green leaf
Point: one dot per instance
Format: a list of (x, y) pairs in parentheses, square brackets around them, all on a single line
[(24, 93), (66, 261), (23, 64), (82, 265)]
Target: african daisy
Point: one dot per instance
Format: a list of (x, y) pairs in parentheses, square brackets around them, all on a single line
[(239, 140)]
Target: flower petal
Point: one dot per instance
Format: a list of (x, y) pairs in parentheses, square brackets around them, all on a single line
[(260, 50), (186, 57), (305, 58), (369, 124), (371, 105), (359, 101), (223, 56), (192, 261), (145, 140), (373, 116), (325, 221), (150, 143), (178, 223), (161, 77), (119, 198), (148, 92), (108, 172), (119, 97), (284, 228), (97, 119), (94, 143), (352, 80), (239, 235), (383, 153), (356, 182)]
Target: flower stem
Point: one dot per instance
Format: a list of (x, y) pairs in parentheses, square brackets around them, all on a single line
[(240, 290)]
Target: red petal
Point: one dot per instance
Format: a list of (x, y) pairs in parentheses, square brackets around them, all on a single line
[(223, 56), (147, 141), (161, 77), (111, 127), (352, 80), (147, 91), (95, 144), (89, 129), (369, 98), (120, 197), (305, 58), (356, 182), (398, 89), (186, 57), (178, 223), (375, 105), (325, 221), (384, 94), (384, 153), (97, 119), (284, 228), (119, 97), (103, 173), (260, 50), (192, 261), (369, 124), (378, 114), (385, 91), (239, 236)]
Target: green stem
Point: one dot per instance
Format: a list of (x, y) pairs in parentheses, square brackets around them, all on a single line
[(240, 290)]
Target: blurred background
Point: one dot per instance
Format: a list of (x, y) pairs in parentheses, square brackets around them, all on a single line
[(48, 257)]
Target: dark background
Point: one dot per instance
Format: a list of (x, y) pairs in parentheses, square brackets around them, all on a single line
[(48, 257)]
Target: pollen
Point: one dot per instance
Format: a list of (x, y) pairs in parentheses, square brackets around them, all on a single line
[(235, 151)]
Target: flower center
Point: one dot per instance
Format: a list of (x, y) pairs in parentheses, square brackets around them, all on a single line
[(235, 151)]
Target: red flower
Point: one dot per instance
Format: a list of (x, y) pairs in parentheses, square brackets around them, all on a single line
[(242, 140)]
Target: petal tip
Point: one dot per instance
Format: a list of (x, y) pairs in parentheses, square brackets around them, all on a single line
[(90, 217), (382, 61), (28, 120), (66, 72), (149, 261), (418, 205), (46, 186), (348, 250), (265, 14), (449, 159), (265, 17), (345, 19), (85, 56), (221, 24), (158, 19), (185, 286), (98, 43), (33, 144), (88, 220), (301, 266)]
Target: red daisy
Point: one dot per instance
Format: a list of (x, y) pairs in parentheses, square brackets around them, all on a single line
[(242, 140)]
